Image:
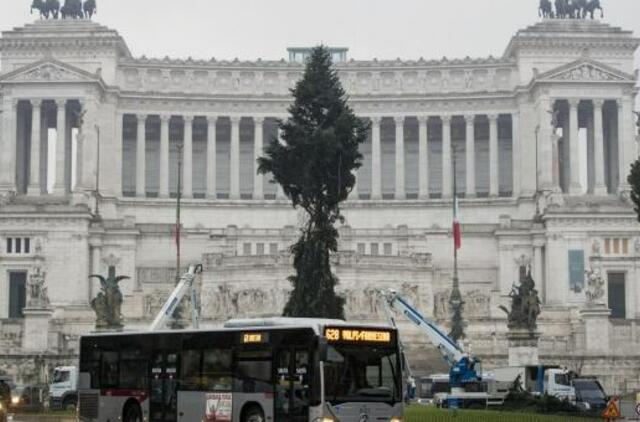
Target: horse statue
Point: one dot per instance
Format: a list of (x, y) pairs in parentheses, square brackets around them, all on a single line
[(46, 8), (90, 8), (545, 10), (591, 7), (72, 9)]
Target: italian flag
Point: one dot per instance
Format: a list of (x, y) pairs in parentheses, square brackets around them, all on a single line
[(457, 232)]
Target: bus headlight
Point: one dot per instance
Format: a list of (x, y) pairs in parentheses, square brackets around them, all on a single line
[(15, 400), (1, 406), (327, 419), (395, 419)]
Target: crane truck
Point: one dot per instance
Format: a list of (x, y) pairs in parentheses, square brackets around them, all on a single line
[(468, 386), (464, 369)]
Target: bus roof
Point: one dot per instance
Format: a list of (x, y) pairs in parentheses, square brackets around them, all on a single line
[(316, 324)]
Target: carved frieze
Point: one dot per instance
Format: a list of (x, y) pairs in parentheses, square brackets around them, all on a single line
[(587, 72)]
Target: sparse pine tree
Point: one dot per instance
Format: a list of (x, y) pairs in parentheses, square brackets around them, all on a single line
[(315, 165)]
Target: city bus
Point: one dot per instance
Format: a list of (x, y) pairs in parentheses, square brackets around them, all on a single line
[(277, 369)]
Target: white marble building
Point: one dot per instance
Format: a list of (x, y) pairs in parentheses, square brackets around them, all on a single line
[(543, 139)]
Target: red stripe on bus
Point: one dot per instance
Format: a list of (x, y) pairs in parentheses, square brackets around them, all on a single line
[(139, 395)]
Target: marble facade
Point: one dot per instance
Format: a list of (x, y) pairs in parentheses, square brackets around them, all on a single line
[(543, 138)]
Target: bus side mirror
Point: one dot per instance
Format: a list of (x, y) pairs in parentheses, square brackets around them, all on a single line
[(323, 349)]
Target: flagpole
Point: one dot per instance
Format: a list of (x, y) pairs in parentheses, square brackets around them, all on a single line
[(455, 300)]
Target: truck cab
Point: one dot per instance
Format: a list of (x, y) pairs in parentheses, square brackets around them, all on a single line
[(63, 390)]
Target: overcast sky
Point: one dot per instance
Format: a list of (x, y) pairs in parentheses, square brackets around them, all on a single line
[(386, 29)]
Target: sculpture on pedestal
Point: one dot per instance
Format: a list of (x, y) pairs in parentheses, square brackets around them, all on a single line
[(38, 297), (570, 9), (72, 9), (595, 287), (108, 302), (525, 303)]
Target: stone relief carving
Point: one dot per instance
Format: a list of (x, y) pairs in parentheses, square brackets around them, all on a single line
[(38, 296), (224, 301), (596, 248), (595, 287), (48, 72), (477, 304), (587, 72)]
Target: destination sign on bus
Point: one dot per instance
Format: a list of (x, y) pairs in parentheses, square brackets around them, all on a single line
[(254, 338), (357, 335)]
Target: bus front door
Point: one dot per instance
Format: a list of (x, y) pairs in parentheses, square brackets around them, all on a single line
[(292, 387), (163, 397)]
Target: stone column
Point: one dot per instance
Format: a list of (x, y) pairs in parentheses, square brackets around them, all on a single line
[(141, 156), (279, 192), (258, 151), (376, 159), (164, 156), (211, 156), (537, 266), (547, 142), (447, 188), (471, 156), (626, 130), (575, 188), (494, 184), (81, 140), (599, 188), (34, 187), (515, 149), (400, 169), (423, 158), (187, 163), (8, 146), (234, 177), (59, 187)]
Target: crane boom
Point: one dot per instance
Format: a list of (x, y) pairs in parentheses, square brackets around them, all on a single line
[(462, 367), (449, 349), (184, 287)]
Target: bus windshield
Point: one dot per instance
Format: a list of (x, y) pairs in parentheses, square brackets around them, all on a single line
[(354, 373)]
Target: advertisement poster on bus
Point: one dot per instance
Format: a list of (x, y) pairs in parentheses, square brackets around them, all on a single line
[(218, 407)]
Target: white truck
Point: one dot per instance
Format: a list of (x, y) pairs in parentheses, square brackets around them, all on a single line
[(63, 390), (540, 379)]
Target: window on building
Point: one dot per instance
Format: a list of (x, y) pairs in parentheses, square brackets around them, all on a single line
[(273, 249), (361, 248), (616, 246), (259, 248), (374, 249), (18, 245), (617, 295), (17, 294), (246, 249), (387, 248)]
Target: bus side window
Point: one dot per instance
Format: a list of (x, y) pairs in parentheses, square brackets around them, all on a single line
[(216, 370), (190, 370), (109, 370)]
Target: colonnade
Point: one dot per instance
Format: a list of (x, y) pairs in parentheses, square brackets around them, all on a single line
[(375, 191)]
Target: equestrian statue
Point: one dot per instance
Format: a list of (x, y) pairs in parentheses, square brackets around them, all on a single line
[(72, 9), (569, 9)]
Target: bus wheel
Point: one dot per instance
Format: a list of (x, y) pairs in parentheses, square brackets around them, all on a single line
[(133, 413), (253, 414)]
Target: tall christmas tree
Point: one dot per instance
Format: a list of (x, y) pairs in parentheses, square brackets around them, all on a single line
[(314, 165)]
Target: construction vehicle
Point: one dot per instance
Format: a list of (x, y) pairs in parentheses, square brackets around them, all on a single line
[(465, 383), (185, 286)]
